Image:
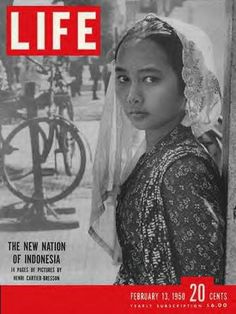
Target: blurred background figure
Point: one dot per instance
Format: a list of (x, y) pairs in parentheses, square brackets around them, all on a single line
[(95, 74), (3, 78), (17, 69), (76, 70)]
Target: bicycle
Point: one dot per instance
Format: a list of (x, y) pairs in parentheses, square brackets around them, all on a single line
[(49, 135), (58, 99)]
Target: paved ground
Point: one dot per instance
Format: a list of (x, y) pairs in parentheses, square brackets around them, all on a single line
[(84, 262)]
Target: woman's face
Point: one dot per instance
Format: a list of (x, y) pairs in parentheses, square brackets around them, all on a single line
[(146, 85)]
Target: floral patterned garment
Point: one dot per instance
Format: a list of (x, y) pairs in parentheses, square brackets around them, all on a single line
[(170, 214)]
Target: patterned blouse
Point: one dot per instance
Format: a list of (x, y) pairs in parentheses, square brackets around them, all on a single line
[(170, 214)]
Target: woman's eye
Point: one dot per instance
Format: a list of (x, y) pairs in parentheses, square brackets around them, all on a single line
[(151, 79), (122, 79)]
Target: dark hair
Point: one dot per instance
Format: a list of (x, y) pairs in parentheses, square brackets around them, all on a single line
[(151, 27)]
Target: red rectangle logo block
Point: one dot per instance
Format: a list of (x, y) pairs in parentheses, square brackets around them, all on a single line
[(53, 30), (194, 295)]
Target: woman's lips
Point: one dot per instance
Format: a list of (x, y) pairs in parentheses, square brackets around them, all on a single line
[(138, 114)]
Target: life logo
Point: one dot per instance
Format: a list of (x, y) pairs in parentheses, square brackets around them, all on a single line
[(53, 30)]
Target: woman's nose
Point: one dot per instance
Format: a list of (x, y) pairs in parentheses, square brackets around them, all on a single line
[(134, 96)]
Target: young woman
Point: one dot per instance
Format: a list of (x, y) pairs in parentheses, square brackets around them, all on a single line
[(167, 194)]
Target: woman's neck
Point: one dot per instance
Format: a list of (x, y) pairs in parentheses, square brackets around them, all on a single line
[(153, 136)]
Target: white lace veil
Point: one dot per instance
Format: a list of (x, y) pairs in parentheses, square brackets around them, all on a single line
[(120, 145)]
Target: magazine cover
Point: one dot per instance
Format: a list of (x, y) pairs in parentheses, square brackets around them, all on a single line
[(117, 168)]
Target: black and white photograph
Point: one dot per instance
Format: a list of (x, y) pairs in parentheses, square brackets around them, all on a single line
[(119, 169)]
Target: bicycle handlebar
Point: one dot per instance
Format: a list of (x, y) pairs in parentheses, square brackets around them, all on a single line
[(43, 71)]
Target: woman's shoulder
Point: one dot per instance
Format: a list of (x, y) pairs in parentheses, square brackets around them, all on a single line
[(182, 154), (187, 153), (193, 163), (193, 178), (180, 144), (192, 170)]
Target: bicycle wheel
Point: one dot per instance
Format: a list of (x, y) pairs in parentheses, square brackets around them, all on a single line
[(64, 187), (66, 142), (66, 147)]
